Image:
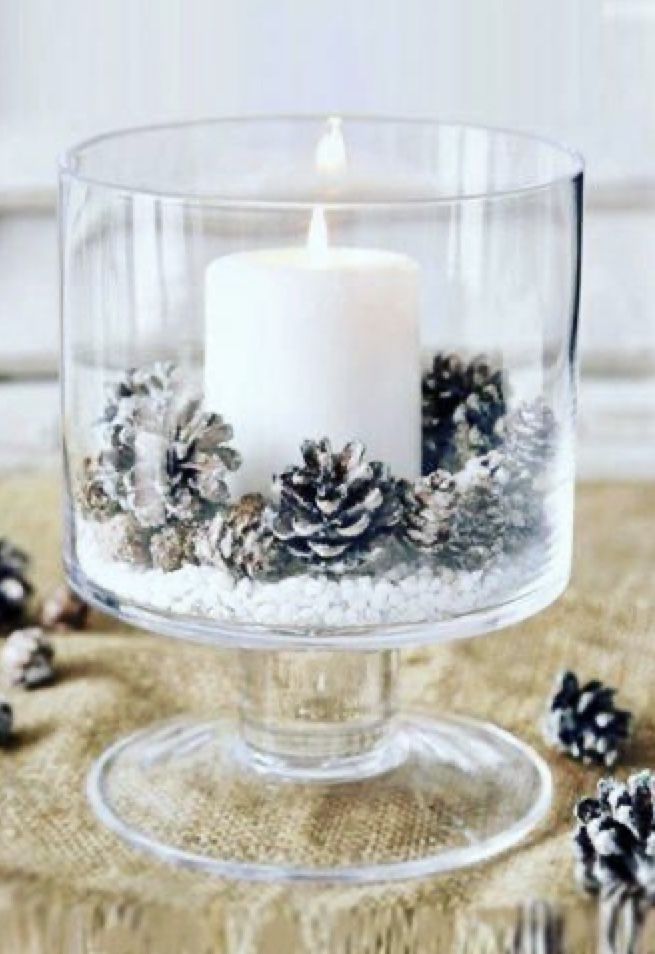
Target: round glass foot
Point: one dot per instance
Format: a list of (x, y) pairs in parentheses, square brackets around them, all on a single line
[(435, 795)]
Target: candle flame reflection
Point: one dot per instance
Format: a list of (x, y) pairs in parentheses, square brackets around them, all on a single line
[(331, 149), (317, 235)]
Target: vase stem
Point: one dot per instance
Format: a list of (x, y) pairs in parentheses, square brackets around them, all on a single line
[(317, 713)]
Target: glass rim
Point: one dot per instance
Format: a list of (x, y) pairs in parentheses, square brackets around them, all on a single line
[(68, 160)]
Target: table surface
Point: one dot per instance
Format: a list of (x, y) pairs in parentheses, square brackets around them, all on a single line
[(112, 680)]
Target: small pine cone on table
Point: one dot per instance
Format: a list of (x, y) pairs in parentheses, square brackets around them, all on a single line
[(246, 541), (6, 722), (583, 722), (27, 658), (15, 588), (63, 610), (336, 509), (614, 841), (463, 405), (429, 506)]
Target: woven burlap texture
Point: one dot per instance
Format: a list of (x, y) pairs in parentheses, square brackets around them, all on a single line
[(113, 680)]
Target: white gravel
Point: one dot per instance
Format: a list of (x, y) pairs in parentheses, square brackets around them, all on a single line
[(406, 593)]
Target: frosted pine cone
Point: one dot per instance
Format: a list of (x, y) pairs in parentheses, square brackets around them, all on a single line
[(150, 387), (136, 412), (614, 842), (246, 541), (63, 610), (428, 505), (198, 461), (583, 721), (335, 510), (173, 546), (6, 722), (122, 538), (478, 525), (27, 658), (94, 500), (530, 434), (15, 588), (168, 465), (463, 405), (205, 544)]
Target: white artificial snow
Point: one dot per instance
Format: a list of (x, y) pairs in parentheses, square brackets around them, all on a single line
[(406, 593)]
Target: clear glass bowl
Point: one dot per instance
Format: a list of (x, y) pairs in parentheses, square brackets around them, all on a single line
[(318, 398)]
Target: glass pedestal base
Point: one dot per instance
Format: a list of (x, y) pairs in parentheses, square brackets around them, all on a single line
[(426, 796)]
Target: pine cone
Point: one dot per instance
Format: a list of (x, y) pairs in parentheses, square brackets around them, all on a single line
[(429, 506), (335, 510), (463, 406), (158, 462), (530, 434), (246, 541), (122, 538), (205, 547), (64, 610), (198, 461), (27, 658), (614, 841), (92, 496), (583, 721), (150, 388), (15, 589), (173, 546), (136, 414), (6, 722), (479, 520), (517, 495)]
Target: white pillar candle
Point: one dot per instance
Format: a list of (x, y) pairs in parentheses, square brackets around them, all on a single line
[(311, 342)]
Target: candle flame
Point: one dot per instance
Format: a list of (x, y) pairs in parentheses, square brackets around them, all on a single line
[(317, 235), (331, 149)]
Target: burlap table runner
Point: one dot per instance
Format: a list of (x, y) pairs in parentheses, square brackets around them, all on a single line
[(113, 680)]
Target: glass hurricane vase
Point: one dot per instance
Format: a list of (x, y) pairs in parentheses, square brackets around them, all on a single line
[(318, 397)]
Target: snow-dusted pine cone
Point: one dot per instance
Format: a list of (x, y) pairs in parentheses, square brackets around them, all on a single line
[(63, 610), (463, 405), (27, 658), (135, 418), (198, 461), (429, 506), (583, 722), (6, 722), (173, 546), (150, 388), (246, 541), (614, 842), (159, 467), (529, 437), (122, 538), (521, 498), (478, 525), (336, 509), (95, 501), (15, 588)]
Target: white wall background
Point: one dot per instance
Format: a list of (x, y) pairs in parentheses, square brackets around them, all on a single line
[(578, 70)]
